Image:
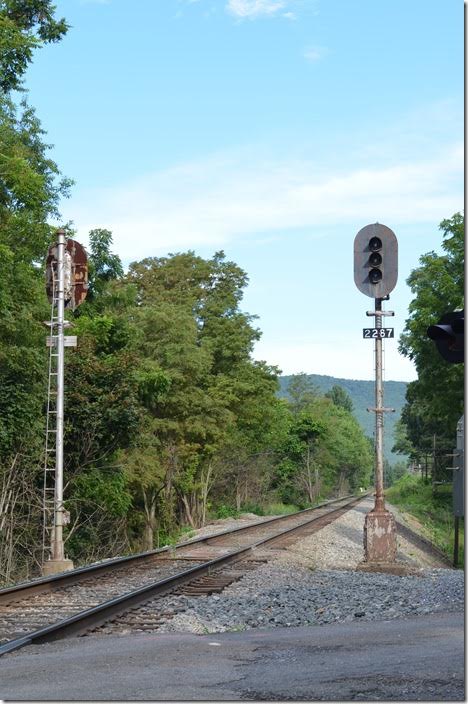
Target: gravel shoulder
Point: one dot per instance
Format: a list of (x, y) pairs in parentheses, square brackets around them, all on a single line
[(315, 582)]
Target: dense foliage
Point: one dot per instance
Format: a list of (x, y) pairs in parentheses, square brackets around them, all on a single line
[(169, 419), (434, 402), (25, 25), (30, 190), (433, 511), (193, 422), (361, 395)]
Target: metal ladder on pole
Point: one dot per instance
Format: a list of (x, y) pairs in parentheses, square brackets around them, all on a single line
[(48, 499)]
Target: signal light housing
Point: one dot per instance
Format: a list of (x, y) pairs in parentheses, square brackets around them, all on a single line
[(375, 243), (375, 275), (375, 260), (449, 336)]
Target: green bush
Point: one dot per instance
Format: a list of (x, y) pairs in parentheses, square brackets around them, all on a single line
[(279, 509), (225, 511), (253, 507), (432, 508), (408, 486)]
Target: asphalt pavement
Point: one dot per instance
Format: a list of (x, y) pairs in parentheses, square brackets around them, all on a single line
[(401, 660)]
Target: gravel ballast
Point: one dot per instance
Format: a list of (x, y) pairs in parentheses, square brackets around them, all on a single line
[(315, 582)]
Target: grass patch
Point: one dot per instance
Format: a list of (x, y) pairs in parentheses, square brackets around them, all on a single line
[(432, 508), (179, 534), (270, 509), (279, 509)]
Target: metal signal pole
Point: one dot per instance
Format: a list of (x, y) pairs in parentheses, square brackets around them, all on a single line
[(375, 275), (57, 536), (66, 287), (379, 419), (379, 529), (61, 281)]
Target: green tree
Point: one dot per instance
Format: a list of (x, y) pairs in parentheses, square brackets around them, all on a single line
[(303, 449), (334, 457), (340, 397), (394, 472), (29, 195), (402, 443), (435, 400), (30, 190), (301, 391), (25, 25), (190, 328), (103, 265)]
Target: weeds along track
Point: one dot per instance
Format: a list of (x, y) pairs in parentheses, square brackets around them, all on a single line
[(83, 599)]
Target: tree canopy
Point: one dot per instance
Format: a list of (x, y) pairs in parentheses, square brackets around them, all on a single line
[(25, 25), (435, 400), (169, 419)]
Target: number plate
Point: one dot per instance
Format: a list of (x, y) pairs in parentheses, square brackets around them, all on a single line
[(374, 333)]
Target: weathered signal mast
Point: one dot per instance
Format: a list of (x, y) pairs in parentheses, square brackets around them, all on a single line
[(66, 287), (375, 275)]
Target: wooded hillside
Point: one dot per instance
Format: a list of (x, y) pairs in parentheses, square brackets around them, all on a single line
[(362, 395)]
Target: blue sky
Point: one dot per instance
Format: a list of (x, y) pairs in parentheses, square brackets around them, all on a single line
[(272, 129)]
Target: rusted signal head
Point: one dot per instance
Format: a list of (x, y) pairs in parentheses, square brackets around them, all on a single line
[(76, 273)]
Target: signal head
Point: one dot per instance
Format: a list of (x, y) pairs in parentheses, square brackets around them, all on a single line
[(449, 337), (375, 260)]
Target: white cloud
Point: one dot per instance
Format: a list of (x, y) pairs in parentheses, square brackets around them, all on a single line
[(230, 196), (315, 53), (293, 356), (255, 8)]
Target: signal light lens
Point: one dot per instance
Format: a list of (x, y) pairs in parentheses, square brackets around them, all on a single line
[(375, 259), (375, 275), (375, 243)]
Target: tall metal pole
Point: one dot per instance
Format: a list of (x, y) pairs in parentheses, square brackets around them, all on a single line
[(66, 285), (57, 535), (380, 546), (379, 414), (375, 275)]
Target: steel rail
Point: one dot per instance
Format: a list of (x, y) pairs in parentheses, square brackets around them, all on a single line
[(422, 543), (97, 615), (57, 581)]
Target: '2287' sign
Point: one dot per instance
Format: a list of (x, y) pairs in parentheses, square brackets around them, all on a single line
[(377, 333)]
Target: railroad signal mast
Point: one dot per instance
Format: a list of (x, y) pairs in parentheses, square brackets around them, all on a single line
[(66, 287), (375, 275)]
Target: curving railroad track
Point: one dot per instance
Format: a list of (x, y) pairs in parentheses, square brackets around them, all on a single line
[(82, 600), (94, 598)]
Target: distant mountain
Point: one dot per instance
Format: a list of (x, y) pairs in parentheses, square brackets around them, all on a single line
[(362, 394)]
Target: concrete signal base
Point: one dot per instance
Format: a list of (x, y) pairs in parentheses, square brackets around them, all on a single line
[(380, 536), (397, 568), (56, 566), (380, 545)]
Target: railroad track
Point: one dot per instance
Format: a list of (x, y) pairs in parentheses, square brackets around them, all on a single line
[(422, 543), (84, 599), (130, 593)]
